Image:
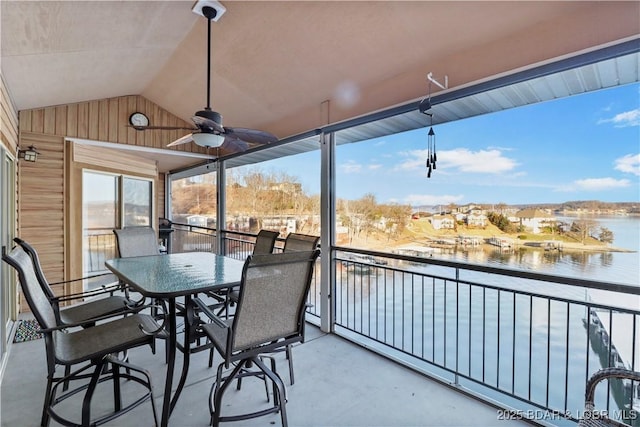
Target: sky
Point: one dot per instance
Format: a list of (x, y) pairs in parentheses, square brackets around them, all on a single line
[(585, 147)]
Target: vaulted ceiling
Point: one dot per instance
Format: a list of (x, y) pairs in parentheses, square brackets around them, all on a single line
[(275, 64)]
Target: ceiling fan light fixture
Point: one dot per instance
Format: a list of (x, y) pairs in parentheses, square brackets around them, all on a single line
[(209, 140)]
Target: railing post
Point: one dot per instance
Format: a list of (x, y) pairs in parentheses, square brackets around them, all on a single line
[(327, 223), (221, 202)]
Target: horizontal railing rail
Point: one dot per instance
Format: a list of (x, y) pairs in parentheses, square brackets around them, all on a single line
[(527, 340)]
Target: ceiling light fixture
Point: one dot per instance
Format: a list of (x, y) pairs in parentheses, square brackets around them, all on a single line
[(209, 140)]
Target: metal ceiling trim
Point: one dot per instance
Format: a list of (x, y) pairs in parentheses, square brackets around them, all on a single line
[(535, 84)]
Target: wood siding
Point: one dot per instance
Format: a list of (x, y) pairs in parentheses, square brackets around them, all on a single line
[(51, 187), (107, 120), (8, 119), (41, 202)]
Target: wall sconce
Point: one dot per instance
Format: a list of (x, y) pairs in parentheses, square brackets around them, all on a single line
[(29, 155)]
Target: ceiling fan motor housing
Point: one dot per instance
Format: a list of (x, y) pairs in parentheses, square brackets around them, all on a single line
[(210, 115)]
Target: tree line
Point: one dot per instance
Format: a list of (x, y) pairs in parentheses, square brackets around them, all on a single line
[(258, 194)]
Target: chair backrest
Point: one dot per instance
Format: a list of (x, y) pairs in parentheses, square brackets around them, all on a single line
[(136, 241), (300, 242), (265, 241), (272, 299), (33, 254), (37, 300)]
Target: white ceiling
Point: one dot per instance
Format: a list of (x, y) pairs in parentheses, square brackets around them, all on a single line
[(277, 63)]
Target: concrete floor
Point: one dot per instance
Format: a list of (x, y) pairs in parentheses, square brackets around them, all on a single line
[(337, 384)]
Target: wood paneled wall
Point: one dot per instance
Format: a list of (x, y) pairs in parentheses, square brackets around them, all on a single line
[(107, 120), (41, 202), (8, 119), (48, 187)]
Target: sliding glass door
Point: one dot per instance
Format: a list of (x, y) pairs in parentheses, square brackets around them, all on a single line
[(110, 201), (8, 291)]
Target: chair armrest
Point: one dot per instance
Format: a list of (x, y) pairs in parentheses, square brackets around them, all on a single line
[(92, 293), (202, 307), (128, 310), (80, 278), (604, 374)]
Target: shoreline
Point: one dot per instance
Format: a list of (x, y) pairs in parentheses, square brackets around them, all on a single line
[(421, 236)]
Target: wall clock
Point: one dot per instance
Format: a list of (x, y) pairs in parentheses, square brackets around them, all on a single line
[(138, 119)]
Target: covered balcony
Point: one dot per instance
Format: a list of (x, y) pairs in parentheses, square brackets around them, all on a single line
[(394, 338)]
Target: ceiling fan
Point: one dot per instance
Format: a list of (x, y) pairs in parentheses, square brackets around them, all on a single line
[(208, 130)]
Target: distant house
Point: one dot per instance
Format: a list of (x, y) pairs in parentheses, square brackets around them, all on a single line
[(198, 220), (443, 222), (534, 219), (476, 218)]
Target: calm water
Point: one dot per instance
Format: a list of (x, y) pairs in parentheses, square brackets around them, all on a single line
[(615, 267), (487, 325)]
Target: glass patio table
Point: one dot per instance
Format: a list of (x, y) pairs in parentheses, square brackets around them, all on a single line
[(168, 277)]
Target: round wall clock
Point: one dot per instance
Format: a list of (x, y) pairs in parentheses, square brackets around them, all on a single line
[(138, 119)]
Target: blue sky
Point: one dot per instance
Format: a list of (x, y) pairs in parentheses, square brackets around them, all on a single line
[(585, 147)]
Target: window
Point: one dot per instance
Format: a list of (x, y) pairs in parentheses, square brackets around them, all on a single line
[(111, 201)]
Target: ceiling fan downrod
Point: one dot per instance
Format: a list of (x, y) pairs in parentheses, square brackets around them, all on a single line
[(209, 13)]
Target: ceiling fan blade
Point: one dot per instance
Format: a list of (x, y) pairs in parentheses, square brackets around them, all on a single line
[(203, 122), (252, 136), (182, 140), (162, 127), (234, 145)]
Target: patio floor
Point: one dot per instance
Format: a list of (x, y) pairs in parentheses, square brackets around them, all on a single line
[(337, 384)]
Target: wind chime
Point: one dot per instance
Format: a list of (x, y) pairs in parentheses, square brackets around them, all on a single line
[(431, 149), (425, 108)]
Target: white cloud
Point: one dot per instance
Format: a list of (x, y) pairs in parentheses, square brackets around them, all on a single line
[(627, 118), (482, 161), (599, 184), (351, 167), (416, 161), (374, 166), (430, 199), (629, 164)]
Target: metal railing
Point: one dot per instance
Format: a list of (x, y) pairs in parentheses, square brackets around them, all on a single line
[(101, 246), (529, 341), (525, 340)]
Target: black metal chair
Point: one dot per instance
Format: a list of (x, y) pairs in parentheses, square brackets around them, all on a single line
[(139, 241), (78, 313), (264, 244), (593, 417), (95, 347), (293, 243), (136, 241), (265, 241), (269, 316), (300, 242)]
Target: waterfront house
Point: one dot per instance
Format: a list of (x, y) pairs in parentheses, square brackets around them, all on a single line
[(443, 222), (476, 218), (534, 220), (317, 75)]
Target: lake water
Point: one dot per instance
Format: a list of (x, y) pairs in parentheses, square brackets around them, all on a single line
[(483, 331), (617, 267)]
